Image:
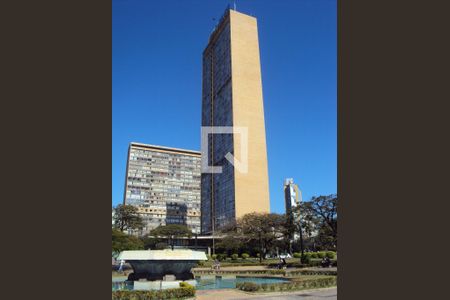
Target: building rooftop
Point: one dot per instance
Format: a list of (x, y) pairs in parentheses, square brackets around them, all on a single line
[(163, 148)]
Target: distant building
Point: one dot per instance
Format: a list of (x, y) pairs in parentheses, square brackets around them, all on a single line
[(292, 199), (164, 184), (292, 195), (232, 97)]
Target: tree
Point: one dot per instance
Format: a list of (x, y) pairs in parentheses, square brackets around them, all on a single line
[(230, 243), (127, 217), (122, 242), (262, 228), (171, 231), (319, 218)]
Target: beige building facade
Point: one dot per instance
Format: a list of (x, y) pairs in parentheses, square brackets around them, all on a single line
[(232, 97), (164, 184)]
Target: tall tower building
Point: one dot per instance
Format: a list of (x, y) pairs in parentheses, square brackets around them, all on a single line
[(232, 96)]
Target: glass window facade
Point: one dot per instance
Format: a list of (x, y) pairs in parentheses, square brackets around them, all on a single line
[(218, 205), (164, 183)]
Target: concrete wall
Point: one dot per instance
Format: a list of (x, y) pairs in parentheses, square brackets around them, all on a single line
[(251, 189)]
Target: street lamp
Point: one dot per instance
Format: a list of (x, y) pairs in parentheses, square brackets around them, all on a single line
[(301, 241), (196, 235), (172, 241)]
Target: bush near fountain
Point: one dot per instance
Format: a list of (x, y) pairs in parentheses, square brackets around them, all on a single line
[(178, 293), (297, 284)]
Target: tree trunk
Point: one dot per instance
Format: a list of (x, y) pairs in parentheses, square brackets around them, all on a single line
[(260, 249), (301, 245)]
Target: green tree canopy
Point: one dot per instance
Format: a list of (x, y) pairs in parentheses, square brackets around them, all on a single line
[(319, 219), (127, 217), (263, 228), (171, 230), (122, 242), (230, 243)]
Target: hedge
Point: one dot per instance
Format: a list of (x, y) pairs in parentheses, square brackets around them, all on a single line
[(288, 286), (247, 286), (321, 255), (311, 272), (306, 259), (273, 263), (275, 272), (178, 293), (310, 263), (221, 257), (184, 284)]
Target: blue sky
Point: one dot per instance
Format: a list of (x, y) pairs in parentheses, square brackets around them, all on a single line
[(157, 68)]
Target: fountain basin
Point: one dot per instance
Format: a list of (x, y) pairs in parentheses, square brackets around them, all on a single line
[(155, 264)]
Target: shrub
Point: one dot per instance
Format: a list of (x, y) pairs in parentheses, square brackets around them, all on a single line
[(314, 255), (214, 256), (302, 284), (184, 292), (245, 255), (306, 258), (297, 255), (184, 284), (321, 254), (330, 254), (276, 272), (312, 272), (247, 286), (221, 257), (234, 256)]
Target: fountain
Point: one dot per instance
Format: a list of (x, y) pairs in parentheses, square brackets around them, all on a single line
[(162, 265)]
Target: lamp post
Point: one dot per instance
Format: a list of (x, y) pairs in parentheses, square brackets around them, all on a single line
[(196, 235), (260, 247), (172, 241), (302, 250)]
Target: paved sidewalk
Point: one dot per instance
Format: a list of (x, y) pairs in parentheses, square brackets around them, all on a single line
[(232, 294)]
